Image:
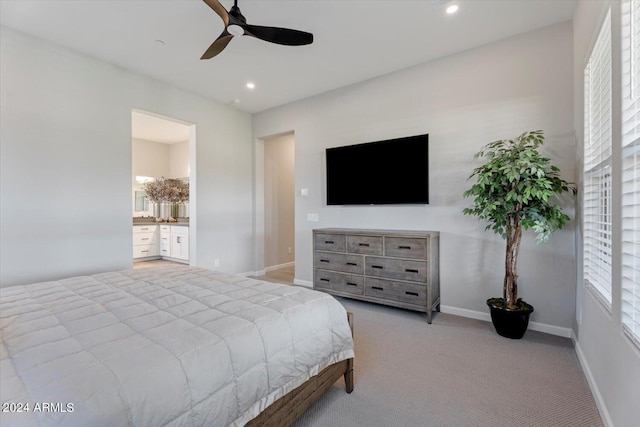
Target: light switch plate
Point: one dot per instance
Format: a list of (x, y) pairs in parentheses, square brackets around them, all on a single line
[(313, 217)]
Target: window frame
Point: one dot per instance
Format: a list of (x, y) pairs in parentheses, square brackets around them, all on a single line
[(630, 173), (597, 177)]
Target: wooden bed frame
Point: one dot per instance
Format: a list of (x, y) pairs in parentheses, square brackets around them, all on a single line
[(289, 407)]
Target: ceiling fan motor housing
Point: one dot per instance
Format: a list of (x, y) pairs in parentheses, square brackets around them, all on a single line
[(235, 12)]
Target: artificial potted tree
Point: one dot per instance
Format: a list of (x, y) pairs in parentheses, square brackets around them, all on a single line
[(514, 191)]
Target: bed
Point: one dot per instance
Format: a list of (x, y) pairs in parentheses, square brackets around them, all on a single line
[(167, 346)]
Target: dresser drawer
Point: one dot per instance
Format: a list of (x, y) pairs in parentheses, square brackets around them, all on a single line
[(368, 245), (344, 283), (339, 262), (406, 247), (396, 291), (396, 269), (142, 251), (330, 242), (145, 239)]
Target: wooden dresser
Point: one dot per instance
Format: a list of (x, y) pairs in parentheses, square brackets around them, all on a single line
[(391, 267)]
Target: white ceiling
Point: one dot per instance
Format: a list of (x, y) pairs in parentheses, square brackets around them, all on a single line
[(151, 127), (354, 40)]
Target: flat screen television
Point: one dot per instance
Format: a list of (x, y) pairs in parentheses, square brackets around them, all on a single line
[(394, 171)]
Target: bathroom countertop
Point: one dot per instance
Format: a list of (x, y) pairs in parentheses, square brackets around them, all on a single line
[(147, 221)]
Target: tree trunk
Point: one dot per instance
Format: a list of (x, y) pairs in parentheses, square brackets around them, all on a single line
[(510, 287)]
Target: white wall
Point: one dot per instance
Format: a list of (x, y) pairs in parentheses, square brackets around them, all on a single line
[(611, 361), (65, 167), (279, 200), (157, 159), (463, 102), (150, 158), (179, 160)]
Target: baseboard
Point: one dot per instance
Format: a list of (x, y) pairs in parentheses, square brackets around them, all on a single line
[(602, 408), (463, 312), (250, 273), (550, 329), (534, 326), (279, 266), (304, 283)]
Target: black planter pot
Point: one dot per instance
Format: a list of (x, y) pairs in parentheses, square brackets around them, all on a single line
[(507, 322)]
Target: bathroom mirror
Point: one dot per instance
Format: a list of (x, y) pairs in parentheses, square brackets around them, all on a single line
[(141, 201)]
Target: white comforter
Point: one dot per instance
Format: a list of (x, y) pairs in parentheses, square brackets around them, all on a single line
[(168, 346)]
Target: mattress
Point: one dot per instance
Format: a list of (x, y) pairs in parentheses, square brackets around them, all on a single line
[(165, 346)]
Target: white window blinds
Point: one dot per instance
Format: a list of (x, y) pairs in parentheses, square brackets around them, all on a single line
[(630, 71), (597, 166), (631, 169)]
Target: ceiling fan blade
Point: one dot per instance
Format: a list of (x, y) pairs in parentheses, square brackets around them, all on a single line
[(277, 35), (218, 45), (219, 9)]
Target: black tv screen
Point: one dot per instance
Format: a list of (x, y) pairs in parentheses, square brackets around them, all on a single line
[(394, 171)]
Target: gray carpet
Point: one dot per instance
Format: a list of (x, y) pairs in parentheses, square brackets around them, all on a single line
[(455, 372)]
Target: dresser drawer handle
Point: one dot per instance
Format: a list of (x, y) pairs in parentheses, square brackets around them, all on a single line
[(352, 284), (377, 288), (415, 294), (145, 238), (329, 242), (379, 267), (144, 251), (404, 247), (366, 245), (355, 264), (324, 260), (324, 280), (144, 228), (410, 270)]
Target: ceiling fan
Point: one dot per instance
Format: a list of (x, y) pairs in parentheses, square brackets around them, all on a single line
[(235, 24)]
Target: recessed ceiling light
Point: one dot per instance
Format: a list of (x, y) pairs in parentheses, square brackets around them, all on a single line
[(452, 9), (251, 86)]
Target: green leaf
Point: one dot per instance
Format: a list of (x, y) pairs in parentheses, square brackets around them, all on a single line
[(516, 179)]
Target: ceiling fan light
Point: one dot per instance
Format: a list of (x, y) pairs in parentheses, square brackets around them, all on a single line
[(235, 30), (452, 9)]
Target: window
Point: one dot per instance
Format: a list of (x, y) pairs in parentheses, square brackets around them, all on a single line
[(631, 169), (597, 166)]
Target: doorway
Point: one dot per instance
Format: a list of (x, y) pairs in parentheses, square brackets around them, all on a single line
[(163, 158), (279, 207)]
